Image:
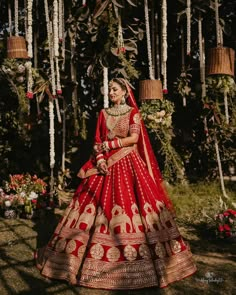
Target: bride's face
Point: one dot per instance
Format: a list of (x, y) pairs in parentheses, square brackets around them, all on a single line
[(116, 93)]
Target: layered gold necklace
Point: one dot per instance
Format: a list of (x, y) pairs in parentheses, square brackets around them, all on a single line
[(114, 114)]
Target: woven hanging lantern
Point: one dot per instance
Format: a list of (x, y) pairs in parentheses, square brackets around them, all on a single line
[(220, 61), (150, 89), (16, 47)]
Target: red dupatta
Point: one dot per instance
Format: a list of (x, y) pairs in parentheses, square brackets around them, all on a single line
[(146, 151)]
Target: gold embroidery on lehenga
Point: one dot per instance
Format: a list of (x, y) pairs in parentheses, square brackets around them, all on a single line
[(113, 254), (137, 219), (100, 221), (130, 253), (97, 251), (144, 251), (152, 218), (119, 219), (175, 246), (87, 217), (160, 250), (71, 246), (60, 245)]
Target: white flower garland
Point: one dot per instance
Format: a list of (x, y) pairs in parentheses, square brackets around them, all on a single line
[(30, 28), (60, 23), (218, 35), (16, 18), (25, 20), (84, 2), (226, 107), (188, 14), (51, 133), (164, 45), (55, 28), (105, 87), (201, 57), (9, 18), (149, 50)]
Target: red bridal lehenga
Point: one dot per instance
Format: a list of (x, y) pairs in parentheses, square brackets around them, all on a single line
[(118, 231)]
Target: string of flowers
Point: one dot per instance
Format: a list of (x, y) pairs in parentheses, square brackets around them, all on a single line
[(188, 14), (25, 21), (60, 22), (51, 103), (105, 87), (84, 2), (63, 46), (201, 57), (149, 50), (219, 36), (164, 45), (29, 49), (120, 39), (9, 18), (16, 9), (51, 133)]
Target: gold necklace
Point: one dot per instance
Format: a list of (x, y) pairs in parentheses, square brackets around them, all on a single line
[(118, 110), (115, 111)]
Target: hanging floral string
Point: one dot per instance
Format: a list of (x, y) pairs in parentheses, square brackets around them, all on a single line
[(120, 39), (60, 23), (105, 87), (201, 57), (84, 2), (219, 36), (26, 21), (164, 45), (29, 48), (51, 103), (16, 9), (188, 14), (149, 50), (226, 106), (9, 18)]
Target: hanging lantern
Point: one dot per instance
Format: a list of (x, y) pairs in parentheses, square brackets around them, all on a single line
[(150, 89), (16, 47), (220, 61)]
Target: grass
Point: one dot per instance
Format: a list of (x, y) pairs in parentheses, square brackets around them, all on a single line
[(215, 259)]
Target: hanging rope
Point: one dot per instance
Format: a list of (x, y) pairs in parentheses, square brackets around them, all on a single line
[(164, 45), (149, 50)]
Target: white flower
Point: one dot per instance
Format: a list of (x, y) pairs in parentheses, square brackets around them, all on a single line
[(22, 194), (7, 203), (33, 196)]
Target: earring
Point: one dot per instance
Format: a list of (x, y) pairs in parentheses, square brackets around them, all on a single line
[(123, 100)]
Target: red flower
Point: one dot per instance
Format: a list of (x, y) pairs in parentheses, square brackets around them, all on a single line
[(228, 234), (59, 91), (227, 227), (221, 228), (226, 213), (29, 95), (165, 91)]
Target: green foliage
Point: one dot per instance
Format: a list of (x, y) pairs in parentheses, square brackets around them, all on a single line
[(157, 115)]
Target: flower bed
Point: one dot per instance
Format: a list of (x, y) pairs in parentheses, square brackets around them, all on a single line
[(23, 195), (226, 224)]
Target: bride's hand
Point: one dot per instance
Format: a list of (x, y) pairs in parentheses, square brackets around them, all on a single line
[(103, 168)]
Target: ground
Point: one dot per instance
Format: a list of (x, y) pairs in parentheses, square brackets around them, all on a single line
[(215, 259)]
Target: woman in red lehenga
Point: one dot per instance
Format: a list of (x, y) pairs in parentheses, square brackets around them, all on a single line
[(118, 231)]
